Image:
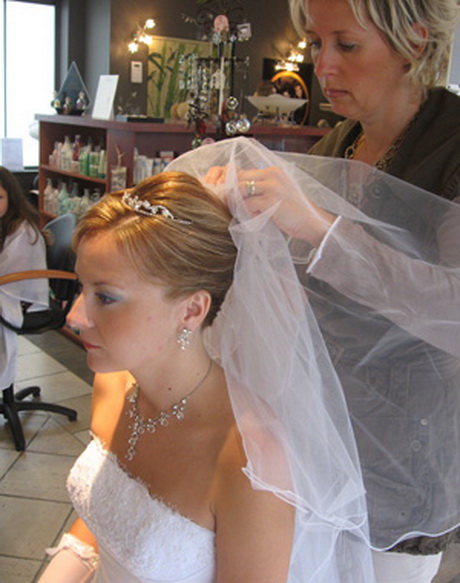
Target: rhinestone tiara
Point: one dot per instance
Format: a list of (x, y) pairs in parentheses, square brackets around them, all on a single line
[(144, 207)]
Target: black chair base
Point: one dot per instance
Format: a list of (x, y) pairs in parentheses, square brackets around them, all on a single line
[(13, 403)]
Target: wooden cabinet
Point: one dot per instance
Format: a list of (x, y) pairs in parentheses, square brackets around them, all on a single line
[(116, 137), (148, 138)]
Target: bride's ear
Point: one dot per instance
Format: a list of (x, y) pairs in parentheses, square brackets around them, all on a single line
[(196, 308)]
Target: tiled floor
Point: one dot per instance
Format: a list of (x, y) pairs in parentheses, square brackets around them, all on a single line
[(34, 509)]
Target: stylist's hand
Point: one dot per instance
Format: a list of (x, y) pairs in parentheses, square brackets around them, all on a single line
[(215, 175), (295, 214)]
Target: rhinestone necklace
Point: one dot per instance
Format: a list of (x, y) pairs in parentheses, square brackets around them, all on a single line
[(140, 425)]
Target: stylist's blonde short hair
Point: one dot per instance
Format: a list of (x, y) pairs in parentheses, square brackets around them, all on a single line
[(396, 20)]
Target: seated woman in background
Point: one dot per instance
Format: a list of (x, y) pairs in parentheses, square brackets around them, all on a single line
[(22, 247)]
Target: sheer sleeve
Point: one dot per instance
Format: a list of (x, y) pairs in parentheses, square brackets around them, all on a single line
[(418, 296), (385, 289)]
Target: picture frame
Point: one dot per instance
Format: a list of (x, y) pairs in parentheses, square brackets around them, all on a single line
[(170, 72)]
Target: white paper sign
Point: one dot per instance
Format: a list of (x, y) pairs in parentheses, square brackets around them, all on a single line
[(11, 155), (105, 96)]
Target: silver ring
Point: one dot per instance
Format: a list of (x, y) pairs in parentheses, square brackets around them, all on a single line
[(250, 187)]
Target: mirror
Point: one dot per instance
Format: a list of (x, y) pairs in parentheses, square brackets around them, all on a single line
[(291, 84)]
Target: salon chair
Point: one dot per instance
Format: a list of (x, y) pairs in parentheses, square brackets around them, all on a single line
[(62, 289)]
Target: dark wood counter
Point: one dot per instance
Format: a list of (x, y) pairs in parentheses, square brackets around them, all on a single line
[(149, 139)]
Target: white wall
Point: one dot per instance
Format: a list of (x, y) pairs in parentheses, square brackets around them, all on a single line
[(454, 74)]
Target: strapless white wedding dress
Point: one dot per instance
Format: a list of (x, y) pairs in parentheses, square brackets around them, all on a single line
[(141, 539)]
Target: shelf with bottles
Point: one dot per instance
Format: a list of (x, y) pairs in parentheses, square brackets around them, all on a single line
[(51, 170), (79, 156), (143, 166), (60, 197), (61, 161)]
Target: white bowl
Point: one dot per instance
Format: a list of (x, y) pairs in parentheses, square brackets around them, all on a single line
[(275, 104)]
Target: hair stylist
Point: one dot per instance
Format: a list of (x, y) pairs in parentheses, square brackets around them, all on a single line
[(380, 64)]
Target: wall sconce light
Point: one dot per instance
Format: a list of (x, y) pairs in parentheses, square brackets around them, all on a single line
[(295, 56), (285, 65), (142, 36)]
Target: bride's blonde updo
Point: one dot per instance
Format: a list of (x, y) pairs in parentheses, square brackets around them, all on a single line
[(190, 252)]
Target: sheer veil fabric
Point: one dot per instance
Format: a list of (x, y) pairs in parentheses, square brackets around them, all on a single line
[(301, 344)]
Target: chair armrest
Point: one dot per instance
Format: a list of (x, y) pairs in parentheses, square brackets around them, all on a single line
[(37, 274), (52, 317)]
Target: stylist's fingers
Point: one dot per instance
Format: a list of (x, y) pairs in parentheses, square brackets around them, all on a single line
[(215, 175), (294, 214), (261, 188)]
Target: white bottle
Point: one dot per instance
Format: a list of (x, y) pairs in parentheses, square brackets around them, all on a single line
[(63, 199), (54, 202), (85, 202), (67, 155), (48, 195), (102, 170), (74, 200)]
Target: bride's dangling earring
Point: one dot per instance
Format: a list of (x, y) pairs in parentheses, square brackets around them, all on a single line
[(184, 338)]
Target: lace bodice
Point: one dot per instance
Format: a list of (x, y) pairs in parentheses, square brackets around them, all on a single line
[(141, 539)]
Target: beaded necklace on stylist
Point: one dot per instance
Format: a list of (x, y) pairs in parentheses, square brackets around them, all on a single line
[(383, 162)]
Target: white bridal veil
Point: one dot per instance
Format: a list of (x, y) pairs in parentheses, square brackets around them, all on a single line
[(344, 372)]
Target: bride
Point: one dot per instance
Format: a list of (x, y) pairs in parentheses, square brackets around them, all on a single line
[(222, 449)]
